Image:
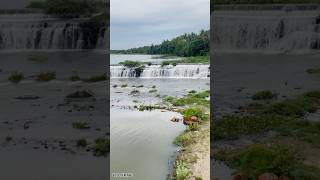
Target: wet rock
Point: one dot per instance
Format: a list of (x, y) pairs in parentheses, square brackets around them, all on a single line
[(268, 176), (27, 97), (175, 119), (81, 94), (240, 177), (192, 119)]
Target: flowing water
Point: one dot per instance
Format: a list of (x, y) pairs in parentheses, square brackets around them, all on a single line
[(267, 30), (142, 142), (155, 70), (39, 31)]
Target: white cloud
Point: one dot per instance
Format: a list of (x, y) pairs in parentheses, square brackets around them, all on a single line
[(150, 21)]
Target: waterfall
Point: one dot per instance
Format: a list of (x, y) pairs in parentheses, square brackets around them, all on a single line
[(156, 71), (38, 31), (274, 30)]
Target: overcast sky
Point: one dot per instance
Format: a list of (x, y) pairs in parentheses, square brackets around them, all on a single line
[(136, 23)]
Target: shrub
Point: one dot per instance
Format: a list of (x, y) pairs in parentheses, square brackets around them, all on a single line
[(114, 86), (46, 76), (154, 87), (165, 63), (124, 85), (16, 77), (187, 113), (131, 64), (102, 147)]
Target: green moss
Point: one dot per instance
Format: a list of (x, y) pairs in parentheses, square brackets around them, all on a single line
[(16, 77), (46, 76), (80, 125), (263, 95)]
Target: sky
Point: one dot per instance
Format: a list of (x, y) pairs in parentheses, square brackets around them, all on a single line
[(136, 23)]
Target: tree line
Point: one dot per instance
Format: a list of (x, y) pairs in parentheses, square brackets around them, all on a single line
[(186, 45)]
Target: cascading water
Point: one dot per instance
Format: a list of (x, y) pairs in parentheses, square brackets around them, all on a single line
[(38, 31), (156, 71), (274, 30)]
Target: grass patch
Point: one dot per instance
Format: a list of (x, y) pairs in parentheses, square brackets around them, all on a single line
[(102, 147), (149, 107), (182, 172), (46, 76), (80, 125), (257, 159), (75, 78), (153, 91), (16, 77), (200, 98), (124, 85), (264, 95), (183, 139)]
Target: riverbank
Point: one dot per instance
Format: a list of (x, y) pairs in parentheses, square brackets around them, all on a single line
[(54, 115), (265, 124), (193, 160)]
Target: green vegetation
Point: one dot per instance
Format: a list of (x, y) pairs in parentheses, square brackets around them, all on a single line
[(46, 76), (153, 91), (182, 171), (96, 78), (149, 107), (191, 99), (313, 71), (188, 60), (75, 78), (264, 95), (261, 158), (185, 45), (131, 64), (70, 8), (115, 85), (102, 147), (135, 92), (80, 125), (165, 63), (154, 86), (82, 142), (194, 126), (16, 77), (137, 66), (124, 85)]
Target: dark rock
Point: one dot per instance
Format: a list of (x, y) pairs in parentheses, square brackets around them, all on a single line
[(175, 119), (81, 94), (27, 97)]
